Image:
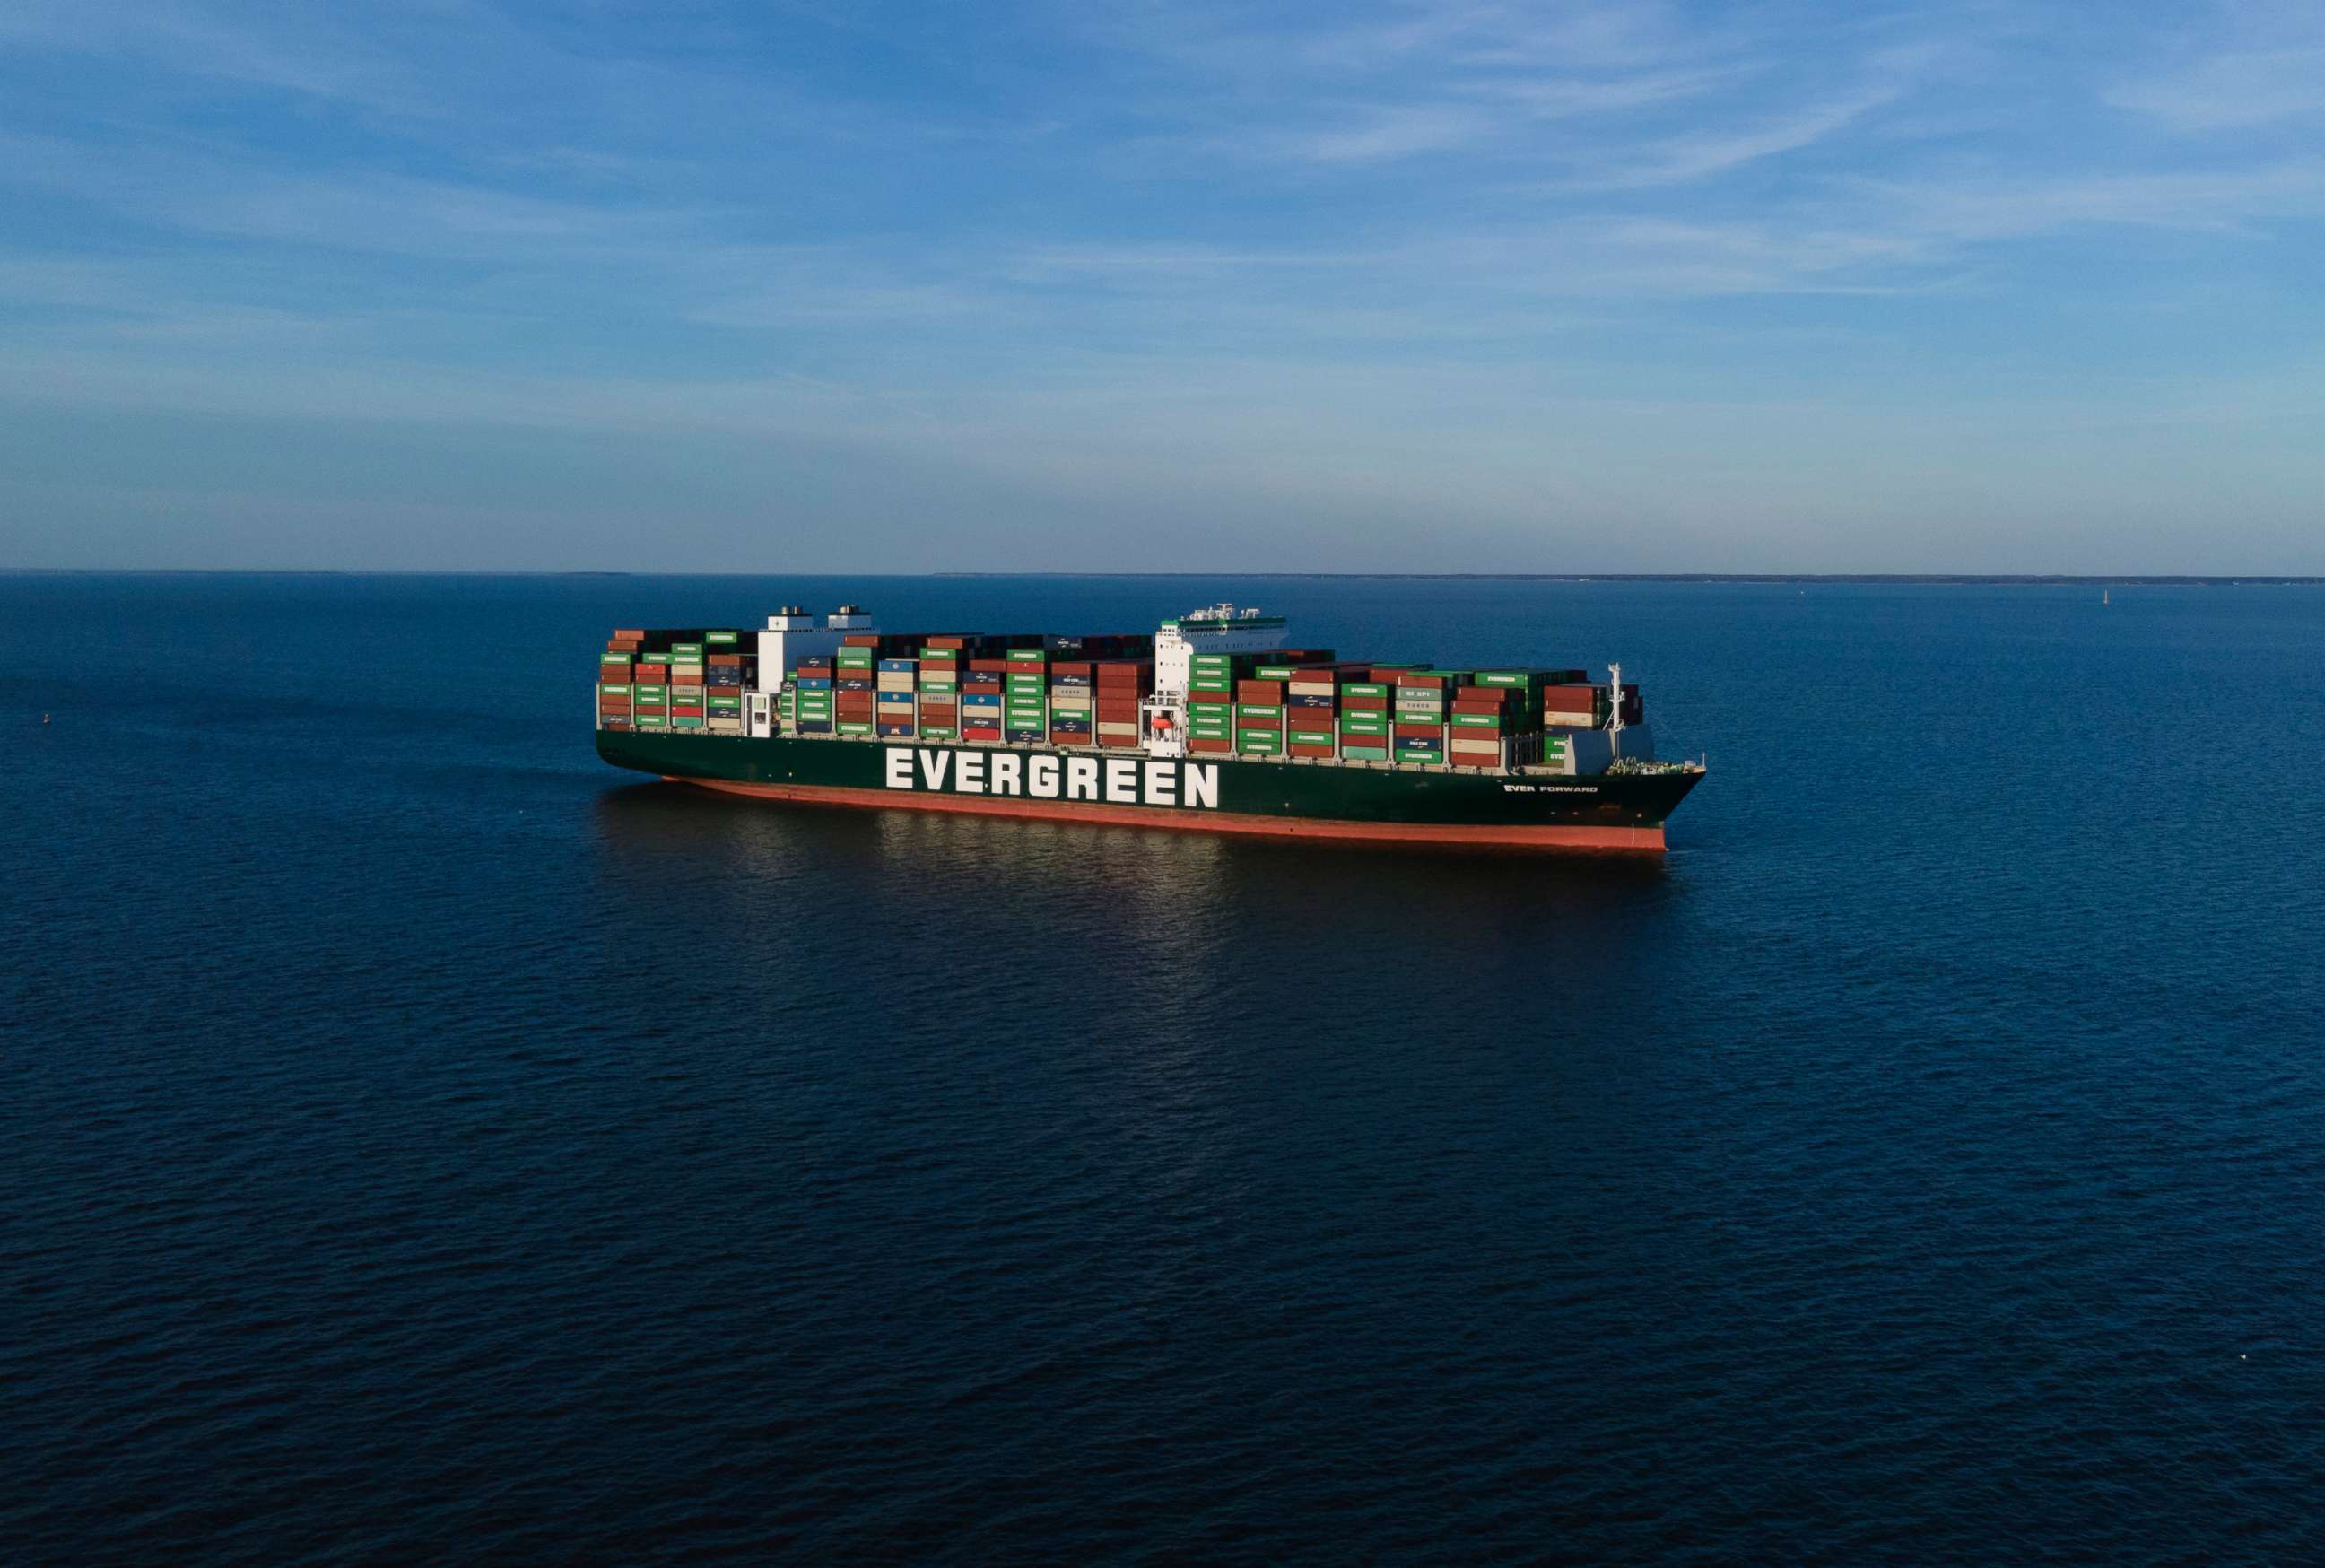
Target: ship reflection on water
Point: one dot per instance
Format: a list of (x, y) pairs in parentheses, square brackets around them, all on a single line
[(1147, 919)]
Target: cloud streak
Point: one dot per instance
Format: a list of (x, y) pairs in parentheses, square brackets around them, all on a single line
[(1418, 243)]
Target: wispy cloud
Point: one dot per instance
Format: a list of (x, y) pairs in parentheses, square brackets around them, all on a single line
[(2233, 91), (1421, 242)]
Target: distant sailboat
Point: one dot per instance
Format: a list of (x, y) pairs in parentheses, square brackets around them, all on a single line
[(2103, 596)]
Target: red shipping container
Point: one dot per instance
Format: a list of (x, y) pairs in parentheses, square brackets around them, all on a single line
[(946, 643), (686, 711), (989, 666), (1259, 691), (1070, 667), (1118, 741), (1418, 731), (1354, 704), (1243, 723), (633, 633), (1210, 700), (1300, 749), (1203, 743), (861, 640), (1421, 678), (735, 660), (613, 721)]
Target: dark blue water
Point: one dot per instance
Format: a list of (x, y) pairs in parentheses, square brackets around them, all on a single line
[(421, 1144)]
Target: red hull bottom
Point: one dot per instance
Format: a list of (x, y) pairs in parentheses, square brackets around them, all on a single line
[(1548, 837)]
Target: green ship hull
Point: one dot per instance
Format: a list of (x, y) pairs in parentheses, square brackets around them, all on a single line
[(1526, 809)]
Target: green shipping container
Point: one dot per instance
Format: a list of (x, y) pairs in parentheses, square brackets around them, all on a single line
[(1310, 737), (1364, 753), (686, 650), (1364, 688), (687, 721), (1477, 721), (1420, 756), (719, 639), (610, 691), (1257, 711), (939, 732), (621, 659)]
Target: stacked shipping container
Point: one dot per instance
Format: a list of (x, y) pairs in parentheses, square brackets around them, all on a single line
[(1086, 691)]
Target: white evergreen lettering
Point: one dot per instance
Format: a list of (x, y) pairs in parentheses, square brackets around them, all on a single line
[(1201, 780)]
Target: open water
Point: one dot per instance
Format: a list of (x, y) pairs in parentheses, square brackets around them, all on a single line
[(421, 1144)]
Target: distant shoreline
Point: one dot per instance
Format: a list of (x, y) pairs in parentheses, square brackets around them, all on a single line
[(1803, 578)]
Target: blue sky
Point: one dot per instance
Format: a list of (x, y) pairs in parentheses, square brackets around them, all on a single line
[(858, 287)]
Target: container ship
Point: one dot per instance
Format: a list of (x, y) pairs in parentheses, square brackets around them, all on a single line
[(1217, 722)]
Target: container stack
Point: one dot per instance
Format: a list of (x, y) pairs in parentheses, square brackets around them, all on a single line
[(853, 684), (981, 693), (1259, 713), (1119, 686), (649, 692), (813, 710), (1073, 702), (722, 680), (1574, 704), (1210, 702), (615, 666), (1418, 710), (1025, 713), (1483, 719), (686, 706), (1079, 693), (1312, 694), (896, 699), (939, 688), (1364, 719), (1227, 699)]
